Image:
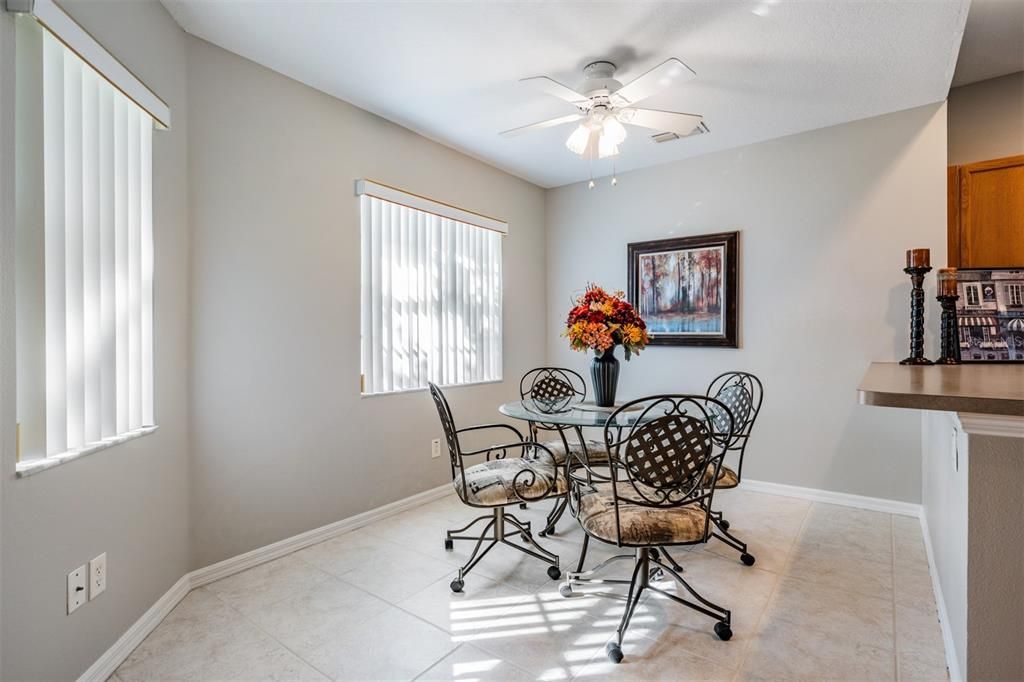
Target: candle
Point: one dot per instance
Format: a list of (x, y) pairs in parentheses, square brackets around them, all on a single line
[(918, 258), (947, 282)]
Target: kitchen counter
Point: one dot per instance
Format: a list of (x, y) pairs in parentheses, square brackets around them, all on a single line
[(979, 389)]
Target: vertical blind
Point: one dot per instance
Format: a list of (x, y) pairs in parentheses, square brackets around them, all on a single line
[(98, 256), (431, 299)]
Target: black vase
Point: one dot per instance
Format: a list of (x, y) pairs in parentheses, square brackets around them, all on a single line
[(604, 374)]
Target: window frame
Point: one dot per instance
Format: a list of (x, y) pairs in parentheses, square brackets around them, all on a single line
[(444, 211), (108, 80)]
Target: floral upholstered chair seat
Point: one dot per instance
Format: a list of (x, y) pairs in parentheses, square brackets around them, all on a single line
[(727, 478), (639, 524), (597, 453), (499, 482)]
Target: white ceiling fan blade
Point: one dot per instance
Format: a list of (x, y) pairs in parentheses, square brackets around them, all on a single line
[(668, 73), (662, 121), (553, 87), (540, 126)]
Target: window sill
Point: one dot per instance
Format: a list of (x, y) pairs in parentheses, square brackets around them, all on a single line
[(424, 388), (34, 466)]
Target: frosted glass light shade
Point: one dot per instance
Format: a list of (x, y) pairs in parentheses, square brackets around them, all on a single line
[(614, 130), (578, 141)]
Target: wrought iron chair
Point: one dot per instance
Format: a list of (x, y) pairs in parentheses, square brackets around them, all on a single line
[(650, 495), (742, 393), (496, 483), (551, 390)]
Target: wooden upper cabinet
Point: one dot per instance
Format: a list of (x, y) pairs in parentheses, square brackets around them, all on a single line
[(986, 220)]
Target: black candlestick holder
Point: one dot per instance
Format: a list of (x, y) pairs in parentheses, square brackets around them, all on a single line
[(950, 334), (917, 317)]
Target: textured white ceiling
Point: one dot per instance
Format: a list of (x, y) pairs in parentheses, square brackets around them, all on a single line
[(450, 70), (993, 43)]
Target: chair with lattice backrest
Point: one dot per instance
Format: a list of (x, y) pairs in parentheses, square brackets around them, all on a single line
[(741, 393), (553, 390), (499, 481), (649, 495)]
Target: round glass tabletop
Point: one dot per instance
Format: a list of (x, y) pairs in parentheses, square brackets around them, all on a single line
[(581, 415)]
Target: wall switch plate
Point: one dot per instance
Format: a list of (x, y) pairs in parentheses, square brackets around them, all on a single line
[(435, 448), (97, 576), (77, 588)]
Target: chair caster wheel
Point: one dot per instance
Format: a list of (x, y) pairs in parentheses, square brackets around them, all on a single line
[(654, 553), (449, 544), (543, 533), (554, 572), (724, 524), (565, 591), (747, 559), (723, 631), (457, 586), (614, 652), (522, 505), (656, 574)]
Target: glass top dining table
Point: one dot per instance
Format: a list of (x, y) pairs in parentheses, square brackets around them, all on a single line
[(584, 415)]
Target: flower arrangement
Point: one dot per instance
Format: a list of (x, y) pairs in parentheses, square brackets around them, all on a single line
[(600, 321)]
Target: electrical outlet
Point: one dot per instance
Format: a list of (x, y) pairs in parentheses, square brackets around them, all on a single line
[(77, 590), (97, 576), (435, 448)]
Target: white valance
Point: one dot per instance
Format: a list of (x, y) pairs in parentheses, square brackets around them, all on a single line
[(438, 208), (77, 39)]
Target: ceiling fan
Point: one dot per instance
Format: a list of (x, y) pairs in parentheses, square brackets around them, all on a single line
[(603, 104)]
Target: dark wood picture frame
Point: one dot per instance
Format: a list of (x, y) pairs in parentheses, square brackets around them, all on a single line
[(730, 294)]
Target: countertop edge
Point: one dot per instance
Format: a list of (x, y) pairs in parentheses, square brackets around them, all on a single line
[(941, 403), (997, 391)]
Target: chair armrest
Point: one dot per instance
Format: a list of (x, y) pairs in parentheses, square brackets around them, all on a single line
[(483, 427), (574, 469)]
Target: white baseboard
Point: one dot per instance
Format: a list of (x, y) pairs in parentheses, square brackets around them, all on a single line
[(952, 663), (845, 499), (262, 555), (106, 664)]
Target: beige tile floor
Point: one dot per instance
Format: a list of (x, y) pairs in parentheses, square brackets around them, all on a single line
[(836, 593)]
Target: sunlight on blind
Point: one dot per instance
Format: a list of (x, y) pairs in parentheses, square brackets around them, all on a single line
[(98, 256), (431, 299)]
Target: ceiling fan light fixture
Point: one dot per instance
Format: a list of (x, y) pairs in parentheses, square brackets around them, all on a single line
[(606, 147), (614, 130), (579, 140)]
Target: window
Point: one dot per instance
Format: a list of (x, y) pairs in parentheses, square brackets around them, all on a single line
[(84, 240), (972, 294), (1015, 294), (431, 292)]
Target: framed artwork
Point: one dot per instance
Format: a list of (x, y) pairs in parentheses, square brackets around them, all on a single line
[(685, 289), (990, 314)]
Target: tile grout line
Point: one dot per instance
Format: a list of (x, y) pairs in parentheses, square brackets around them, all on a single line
[(332, 576), (771, 595), (395, 605), (895, 630), (272, 637)]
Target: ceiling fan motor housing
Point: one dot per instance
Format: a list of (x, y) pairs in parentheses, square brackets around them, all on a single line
[(599, 80)]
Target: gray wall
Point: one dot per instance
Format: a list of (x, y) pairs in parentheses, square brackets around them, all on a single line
[(282, 440), (8, 400), (986, 119), (130, 501), (825, 218), (995, 560)]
